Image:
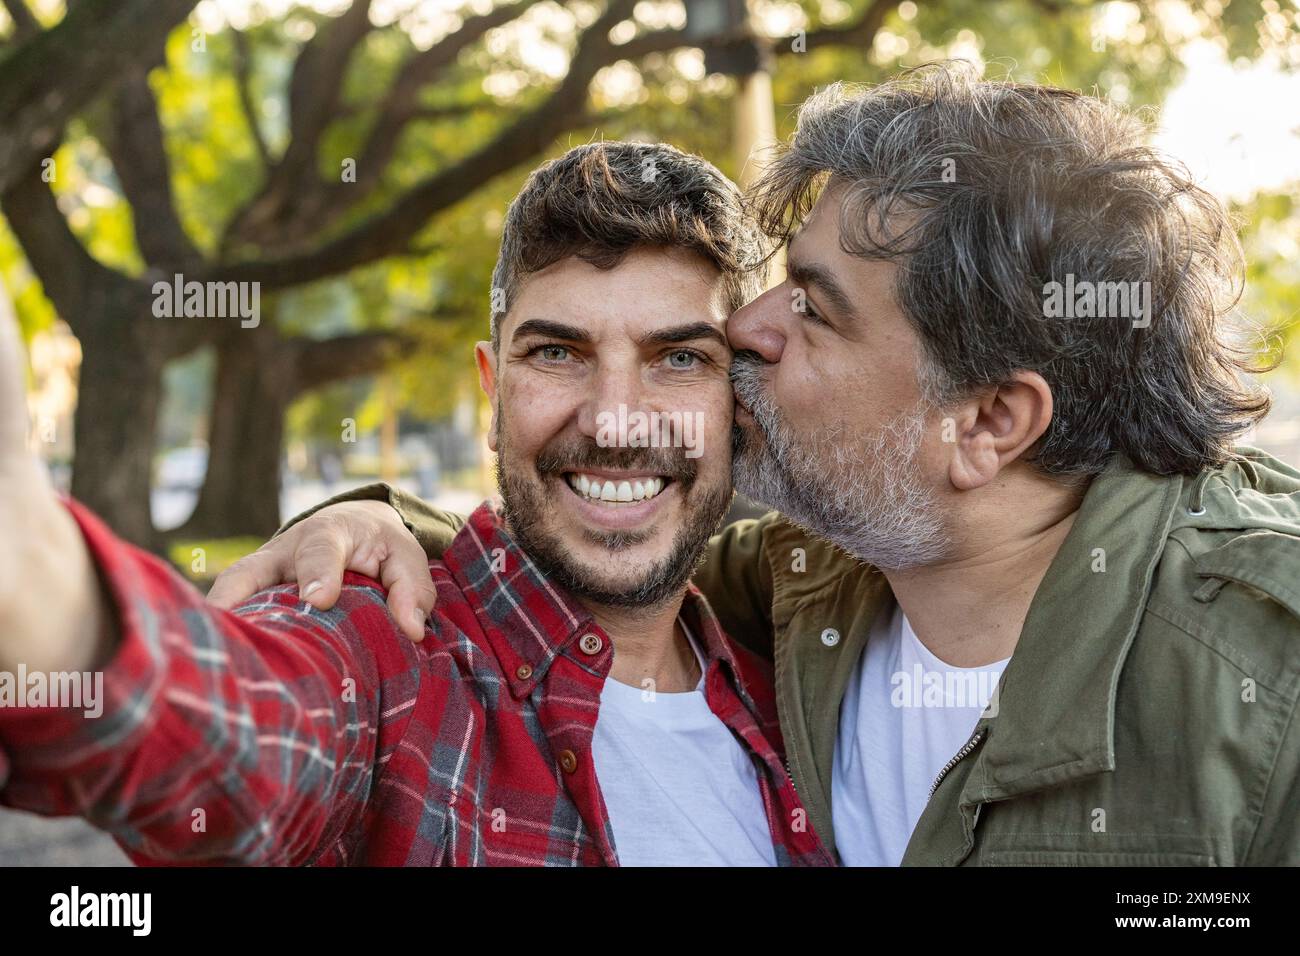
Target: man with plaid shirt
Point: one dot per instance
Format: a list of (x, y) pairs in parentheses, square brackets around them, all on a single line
[(573, 700)]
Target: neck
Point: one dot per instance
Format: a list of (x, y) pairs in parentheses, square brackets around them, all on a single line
[(649, 646), (968, 610)]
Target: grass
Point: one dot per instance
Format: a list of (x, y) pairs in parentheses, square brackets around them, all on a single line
[(202, 560)]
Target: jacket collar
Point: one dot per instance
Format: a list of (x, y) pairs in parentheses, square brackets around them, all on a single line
[(1056, 703), (530, 621)]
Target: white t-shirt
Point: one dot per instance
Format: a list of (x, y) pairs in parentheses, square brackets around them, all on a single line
[(679, 787), (905, 714)]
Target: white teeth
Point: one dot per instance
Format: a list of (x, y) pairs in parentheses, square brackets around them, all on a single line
[(595, 489)]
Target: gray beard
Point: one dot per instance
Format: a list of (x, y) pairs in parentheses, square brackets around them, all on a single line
[(862, 494)]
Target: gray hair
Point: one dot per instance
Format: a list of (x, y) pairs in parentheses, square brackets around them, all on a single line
[(986, 193)]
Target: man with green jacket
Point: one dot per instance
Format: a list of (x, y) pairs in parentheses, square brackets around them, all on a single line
[(995, 405)]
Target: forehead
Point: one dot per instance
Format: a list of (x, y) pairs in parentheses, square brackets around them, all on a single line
[(817, 246), (648, 289), (819, 233)]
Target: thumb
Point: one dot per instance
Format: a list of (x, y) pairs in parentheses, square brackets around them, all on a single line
[(255, 572)]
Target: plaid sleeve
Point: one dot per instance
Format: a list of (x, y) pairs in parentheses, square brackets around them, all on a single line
[(249, 737)]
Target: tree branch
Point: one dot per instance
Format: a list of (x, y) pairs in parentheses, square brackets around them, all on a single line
[(321, 361), (861, 31), (243, 82), (71, 276), (418, 72), (314, 90), (390, 232), (317, 81), (134, 142), (52, 76), (312, 204), (25, 25)]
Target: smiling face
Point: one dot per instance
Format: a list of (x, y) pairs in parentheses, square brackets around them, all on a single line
[(831, 422), (619, 516)]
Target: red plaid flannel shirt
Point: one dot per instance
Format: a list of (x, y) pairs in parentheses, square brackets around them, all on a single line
[(280, 734)]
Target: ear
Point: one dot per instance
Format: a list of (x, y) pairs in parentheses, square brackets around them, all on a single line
[(998, 426), (486, 357)]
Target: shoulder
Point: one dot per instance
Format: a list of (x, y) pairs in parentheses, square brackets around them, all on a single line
[(361, 618), (1230, 572), (804, 566)]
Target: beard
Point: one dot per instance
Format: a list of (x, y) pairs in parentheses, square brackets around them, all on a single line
[(526, 507), (863, 494)]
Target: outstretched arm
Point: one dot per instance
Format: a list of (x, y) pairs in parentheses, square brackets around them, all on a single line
[(188, 733)]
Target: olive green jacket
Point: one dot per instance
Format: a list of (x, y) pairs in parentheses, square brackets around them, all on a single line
[(1149, 712)]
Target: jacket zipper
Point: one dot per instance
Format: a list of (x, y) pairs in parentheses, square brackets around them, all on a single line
[(957, 758)]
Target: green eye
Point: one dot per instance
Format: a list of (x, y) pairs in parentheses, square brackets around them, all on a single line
[(554, 353), (682, 359)]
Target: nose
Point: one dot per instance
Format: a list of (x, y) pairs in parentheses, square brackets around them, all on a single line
[(612, 383), (761, 325)]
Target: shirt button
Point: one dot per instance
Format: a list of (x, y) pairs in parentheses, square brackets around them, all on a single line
[(591, 644), (524, 672), (830, 637), (568, 761)]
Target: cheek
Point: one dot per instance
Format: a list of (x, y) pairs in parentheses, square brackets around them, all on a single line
[(810, 387), (716, 415), (860, 384), (532, 413)]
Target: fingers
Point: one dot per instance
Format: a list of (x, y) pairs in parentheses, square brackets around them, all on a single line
[(366, 537), (264, 568), (319, 564), (411, 594)]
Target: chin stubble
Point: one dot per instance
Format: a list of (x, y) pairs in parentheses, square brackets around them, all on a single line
[(862, 493), (526, 504)]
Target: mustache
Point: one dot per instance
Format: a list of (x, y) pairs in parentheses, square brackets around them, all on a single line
[(746, 381), (573, 454)]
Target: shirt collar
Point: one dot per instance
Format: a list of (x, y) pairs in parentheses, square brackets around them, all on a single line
[(530, 621)]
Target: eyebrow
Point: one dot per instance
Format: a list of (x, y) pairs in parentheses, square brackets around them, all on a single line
[(812, 274), (669, 336), (683, 333), (553, 330)]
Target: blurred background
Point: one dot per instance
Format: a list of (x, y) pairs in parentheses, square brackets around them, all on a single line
[(355, 159)]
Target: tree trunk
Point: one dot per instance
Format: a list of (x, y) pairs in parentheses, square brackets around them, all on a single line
[(253, 388), (258, 375), (118, 397)]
